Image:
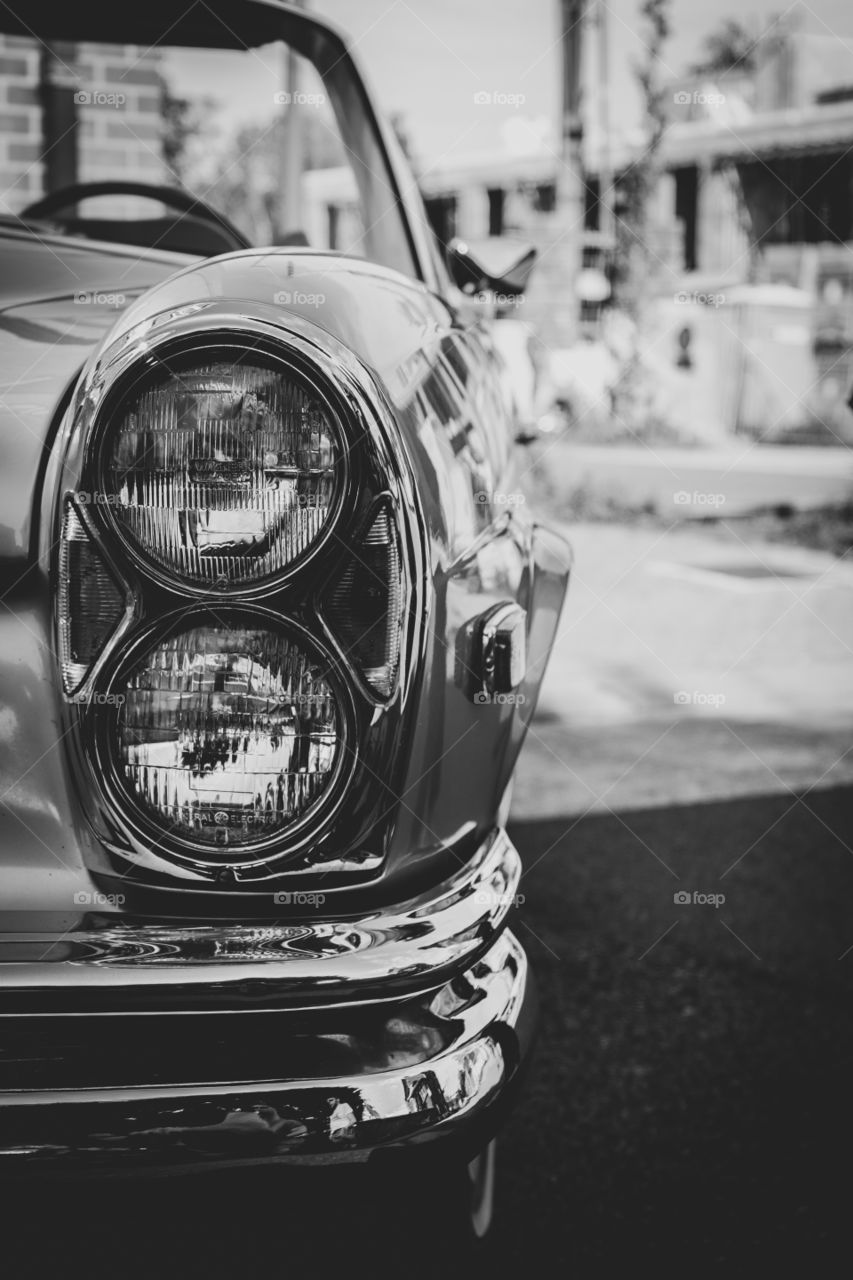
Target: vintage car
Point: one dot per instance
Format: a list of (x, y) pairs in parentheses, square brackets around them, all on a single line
[(273, 630)]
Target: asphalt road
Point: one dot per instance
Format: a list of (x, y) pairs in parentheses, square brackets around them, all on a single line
[(690, 1109), (696, 1060)]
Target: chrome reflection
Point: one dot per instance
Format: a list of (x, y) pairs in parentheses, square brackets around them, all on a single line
[(341, 1118), (407, 944)]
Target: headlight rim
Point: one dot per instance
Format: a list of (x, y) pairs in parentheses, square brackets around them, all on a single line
[(132, 380), (100, 731)]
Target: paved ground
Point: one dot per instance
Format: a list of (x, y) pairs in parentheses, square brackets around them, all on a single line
[(673, 682), (691, 1108)]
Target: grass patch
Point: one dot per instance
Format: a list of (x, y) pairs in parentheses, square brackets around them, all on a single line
[(820, 529), (823, 529)]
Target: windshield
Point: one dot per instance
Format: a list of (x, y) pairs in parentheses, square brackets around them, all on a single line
[(271, 151)]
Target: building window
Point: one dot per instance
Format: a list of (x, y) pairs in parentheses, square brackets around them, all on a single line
[(687, 213), (441, 213), (496, 211), (544, 198), (333, 212)]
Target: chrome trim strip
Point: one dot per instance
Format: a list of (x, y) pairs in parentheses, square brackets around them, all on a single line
[(411, 946), (341, 1118)]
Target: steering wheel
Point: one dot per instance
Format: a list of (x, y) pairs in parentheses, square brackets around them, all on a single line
[(173, 197)]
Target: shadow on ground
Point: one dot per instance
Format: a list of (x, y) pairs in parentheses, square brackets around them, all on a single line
[(690, 1111), (696, 1061)]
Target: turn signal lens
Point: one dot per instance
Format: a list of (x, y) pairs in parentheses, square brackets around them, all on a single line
[(365, 604), (224, 473), (89, 599), (228, 736)]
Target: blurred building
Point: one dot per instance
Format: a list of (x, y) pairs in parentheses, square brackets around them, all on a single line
[(759, 158), (755, 194), (760, 177)]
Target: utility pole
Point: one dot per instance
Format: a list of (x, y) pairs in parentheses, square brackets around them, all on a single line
[(58, 83), (563, 262), (288, 197), (605, 168)]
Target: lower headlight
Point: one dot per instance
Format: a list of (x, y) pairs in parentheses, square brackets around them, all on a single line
[(228, 735)]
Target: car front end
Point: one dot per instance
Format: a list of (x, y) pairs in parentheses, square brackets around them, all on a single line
[(271, 642), (223, 951)]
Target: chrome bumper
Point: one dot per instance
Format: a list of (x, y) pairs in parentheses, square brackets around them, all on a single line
[(334, 1038)]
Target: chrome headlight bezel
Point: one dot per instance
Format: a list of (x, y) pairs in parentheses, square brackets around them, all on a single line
[(344, 838)]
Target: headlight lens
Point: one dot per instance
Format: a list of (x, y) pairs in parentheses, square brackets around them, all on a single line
[(222, 472), (227, 735)]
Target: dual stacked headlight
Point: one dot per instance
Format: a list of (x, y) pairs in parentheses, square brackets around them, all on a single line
[(227, 734), (219, 474), (224, 475)]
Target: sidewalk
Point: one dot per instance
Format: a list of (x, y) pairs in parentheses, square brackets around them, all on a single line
[(679, 676)]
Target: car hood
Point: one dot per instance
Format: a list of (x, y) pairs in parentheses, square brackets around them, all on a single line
[(58, 298)]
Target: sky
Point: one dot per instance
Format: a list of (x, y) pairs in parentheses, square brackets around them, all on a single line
[(428, 60)]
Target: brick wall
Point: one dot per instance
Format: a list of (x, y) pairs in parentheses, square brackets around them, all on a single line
[(20, 123), (117, 102)]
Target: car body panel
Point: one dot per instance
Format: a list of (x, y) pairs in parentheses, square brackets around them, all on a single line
[(58, 298)]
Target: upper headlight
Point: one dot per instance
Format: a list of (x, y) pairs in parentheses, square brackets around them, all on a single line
[(224, 470)]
